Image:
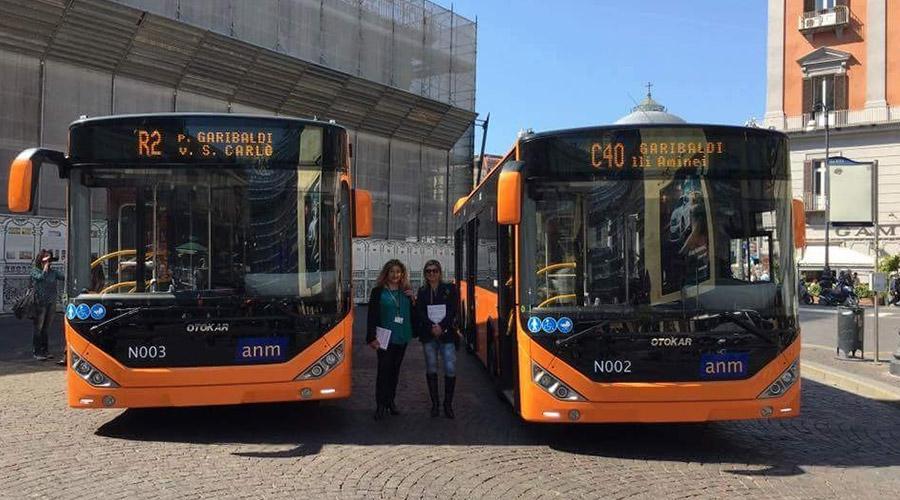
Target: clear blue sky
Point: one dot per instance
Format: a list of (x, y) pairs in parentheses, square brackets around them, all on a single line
[(550, 64)]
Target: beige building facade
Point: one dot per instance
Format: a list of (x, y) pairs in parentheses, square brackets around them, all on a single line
[(837, 63)]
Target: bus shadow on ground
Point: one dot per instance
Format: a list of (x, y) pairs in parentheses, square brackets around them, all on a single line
[(836, 429)]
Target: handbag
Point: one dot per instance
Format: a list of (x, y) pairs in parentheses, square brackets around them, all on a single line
[(25, 305)]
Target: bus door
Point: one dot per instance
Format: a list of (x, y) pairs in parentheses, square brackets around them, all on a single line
[(506, 322), (471, 329)]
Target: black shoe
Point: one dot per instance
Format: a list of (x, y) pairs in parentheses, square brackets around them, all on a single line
[(380, 412), (392, 408), (433, 392), (449, 389), (61, 361)]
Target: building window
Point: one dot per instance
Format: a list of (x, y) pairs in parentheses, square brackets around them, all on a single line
[(820, 5), (814, 185), (828, 90)]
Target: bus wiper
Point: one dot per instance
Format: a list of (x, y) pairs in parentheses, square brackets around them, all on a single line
[(592, 328), (745, 325), (115, 319)]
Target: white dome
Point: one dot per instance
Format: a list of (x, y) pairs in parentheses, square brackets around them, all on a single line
[(648, 111), (642, 117)]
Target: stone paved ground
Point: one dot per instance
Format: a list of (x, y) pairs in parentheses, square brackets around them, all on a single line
[(842, 446)]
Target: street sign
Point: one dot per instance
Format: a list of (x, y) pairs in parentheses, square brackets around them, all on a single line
[(879, 282)]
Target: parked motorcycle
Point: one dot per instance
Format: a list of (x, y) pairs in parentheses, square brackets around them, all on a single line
[(841, 295)]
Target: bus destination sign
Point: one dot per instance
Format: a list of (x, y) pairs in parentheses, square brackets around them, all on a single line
[(654, 154), (158, 143)]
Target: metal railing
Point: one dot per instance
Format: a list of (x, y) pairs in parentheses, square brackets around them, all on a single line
[(838, 15), (842, 118), (813, 202)]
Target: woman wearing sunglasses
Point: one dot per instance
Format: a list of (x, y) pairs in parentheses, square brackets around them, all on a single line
[(436, 305)]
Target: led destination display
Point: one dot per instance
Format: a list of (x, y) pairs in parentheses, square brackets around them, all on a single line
[(197, 140)]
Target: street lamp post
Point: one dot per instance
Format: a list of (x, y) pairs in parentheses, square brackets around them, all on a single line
[(822, 107)]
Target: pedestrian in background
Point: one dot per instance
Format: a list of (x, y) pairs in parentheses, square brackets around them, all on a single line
[(389, 330), (436, 305), (44, 280)]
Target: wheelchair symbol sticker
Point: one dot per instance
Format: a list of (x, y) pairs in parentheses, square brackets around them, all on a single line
[(549, 325), (83, 311)]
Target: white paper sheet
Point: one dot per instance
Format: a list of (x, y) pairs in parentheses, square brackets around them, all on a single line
[(384, 337), (437, 313)]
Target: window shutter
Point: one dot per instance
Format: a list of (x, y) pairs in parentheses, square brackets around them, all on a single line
[(808, 95), (840, 92), (809, 178)]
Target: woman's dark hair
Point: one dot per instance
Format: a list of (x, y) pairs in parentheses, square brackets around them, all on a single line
[(39, 260), (432, 263)]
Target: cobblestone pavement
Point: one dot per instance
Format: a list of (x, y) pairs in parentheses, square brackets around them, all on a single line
[(842, 446)]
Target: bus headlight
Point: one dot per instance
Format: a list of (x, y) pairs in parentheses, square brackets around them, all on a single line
[(325, 364), (90, 374), (783, 382), (552, 385)]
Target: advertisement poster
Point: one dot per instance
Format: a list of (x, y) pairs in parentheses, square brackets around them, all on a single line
[(680, 253)]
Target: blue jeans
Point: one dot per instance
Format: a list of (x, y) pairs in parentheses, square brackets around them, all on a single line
[(448, 354)]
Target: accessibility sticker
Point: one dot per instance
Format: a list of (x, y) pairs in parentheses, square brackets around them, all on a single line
[(534, 324), (564, 325), (70, 311), (98, 311), (549, 324), (83, 311)]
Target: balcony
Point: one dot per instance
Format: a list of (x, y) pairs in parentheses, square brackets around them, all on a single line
[(813, 202), (839, 118), (834, 19)]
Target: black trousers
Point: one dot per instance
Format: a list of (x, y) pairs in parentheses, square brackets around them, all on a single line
[(42, 319), (389, 361)]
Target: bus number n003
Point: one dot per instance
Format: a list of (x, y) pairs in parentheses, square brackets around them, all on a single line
[(147, 352), (612, 366)]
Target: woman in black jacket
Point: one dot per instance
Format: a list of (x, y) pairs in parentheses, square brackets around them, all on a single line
[(390, 315), (435, 316)]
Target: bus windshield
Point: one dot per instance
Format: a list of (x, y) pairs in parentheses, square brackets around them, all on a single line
[(238, 231), (677, 236)]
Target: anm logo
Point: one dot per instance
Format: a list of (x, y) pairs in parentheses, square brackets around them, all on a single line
[(724, 366), (260, 349)]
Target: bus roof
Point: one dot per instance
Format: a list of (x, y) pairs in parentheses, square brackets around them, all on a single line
[(602, 128), (226, 116)]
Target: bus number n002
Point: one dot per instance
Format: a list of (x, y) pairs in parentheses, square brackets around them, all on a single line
[(612, 366), (147, 352)]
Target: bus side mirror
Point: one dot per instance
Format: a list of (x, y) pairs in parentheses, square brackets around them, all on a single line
[(798, 218), (362, 213), (24, 173), (509, 197)]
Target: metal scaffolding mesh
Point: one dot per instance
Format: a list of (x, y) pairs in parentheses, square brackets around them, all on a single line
[(400, 74)]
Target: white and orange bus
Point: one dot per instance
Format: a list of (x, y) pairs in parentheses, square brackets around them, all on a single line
[(209, 258), (635, 274)]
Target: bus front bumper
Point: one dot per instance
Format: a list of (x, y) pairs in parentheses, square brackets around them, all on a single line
[(83, 395), (547, 409)]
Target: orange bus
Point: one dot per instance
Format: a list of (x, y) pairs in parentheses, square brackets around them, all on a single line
[(640, 273), (208, 258)]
